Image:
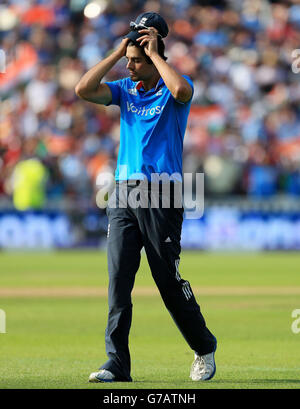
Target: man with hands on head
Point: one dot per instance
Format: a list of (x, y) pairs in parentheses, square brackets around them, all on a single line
[(154, 103), (91, 89)]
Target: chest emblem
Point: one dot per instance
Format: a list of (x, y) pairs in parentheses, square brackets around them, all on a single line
[(132, 91)]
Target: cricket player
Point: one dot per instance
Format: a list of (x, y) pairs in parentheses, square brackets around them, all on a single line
[(154, 102)]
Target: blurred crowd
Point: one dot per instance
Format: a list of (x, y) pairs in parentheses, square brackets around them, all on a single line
[(244, 127)]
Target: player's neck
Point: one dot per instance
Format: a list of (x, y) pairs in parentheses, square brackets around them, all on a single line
[(151, 83)]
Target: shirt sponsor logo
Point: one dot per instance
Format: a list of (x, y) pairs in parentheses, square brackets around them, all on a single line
[(144, 111)]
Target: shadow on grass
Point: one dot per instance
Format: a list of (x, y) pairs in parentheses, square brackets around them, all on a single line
[(227, 381), (258, 381)]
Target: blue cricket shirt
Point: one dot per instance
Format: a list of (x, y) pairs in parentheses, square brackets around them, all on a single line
[(152, 129)]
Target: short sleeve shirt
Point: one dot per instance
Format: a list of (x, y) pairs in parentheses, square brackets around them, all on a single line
[(152, 128)]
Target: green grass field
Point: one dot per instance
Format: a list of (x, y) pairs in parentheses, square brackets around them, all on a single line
[(56, 310)]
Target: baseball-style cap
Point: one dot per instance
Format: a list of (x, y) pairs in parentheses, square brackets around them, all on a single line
[(146, 20)]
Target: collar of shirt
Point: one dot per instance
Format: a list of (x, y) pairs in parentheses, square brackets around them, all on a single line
[(141, 89)]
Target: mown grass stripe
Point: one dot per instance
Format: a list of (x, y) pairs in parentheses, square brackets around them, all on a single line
[(143, 291)]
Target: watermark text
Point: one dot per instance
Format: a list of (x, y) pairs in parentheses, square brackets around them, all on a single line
[(161, 190), (2, 61), (2, 322), (296, 323)]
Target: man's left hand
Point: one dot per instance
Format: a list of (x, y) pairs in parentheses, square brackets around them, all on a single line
[(149, 40)]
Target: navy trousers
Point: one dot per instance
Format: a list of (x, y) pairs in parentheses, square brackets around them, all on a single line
[(158, 230)]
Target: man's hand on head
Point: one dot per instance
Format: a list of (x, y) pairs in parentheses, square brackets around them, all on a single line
[(90, 87), (121, 50), (149, 41)]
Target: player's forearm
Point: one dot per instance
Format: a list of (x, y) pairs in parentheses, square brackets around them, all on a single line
[(178, 86), (90, 81)]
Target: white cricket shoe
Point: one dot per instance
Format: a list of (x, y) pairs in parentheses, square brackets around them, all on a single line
[(102, 376), (204, 367)]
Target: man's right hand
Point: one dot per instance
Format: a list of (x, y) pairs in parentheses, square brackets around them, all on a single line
[(90, 87), (121, 50)]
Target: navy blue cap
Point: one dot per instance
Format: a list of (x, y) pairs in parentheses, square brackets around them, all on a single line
[(146, 20)]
